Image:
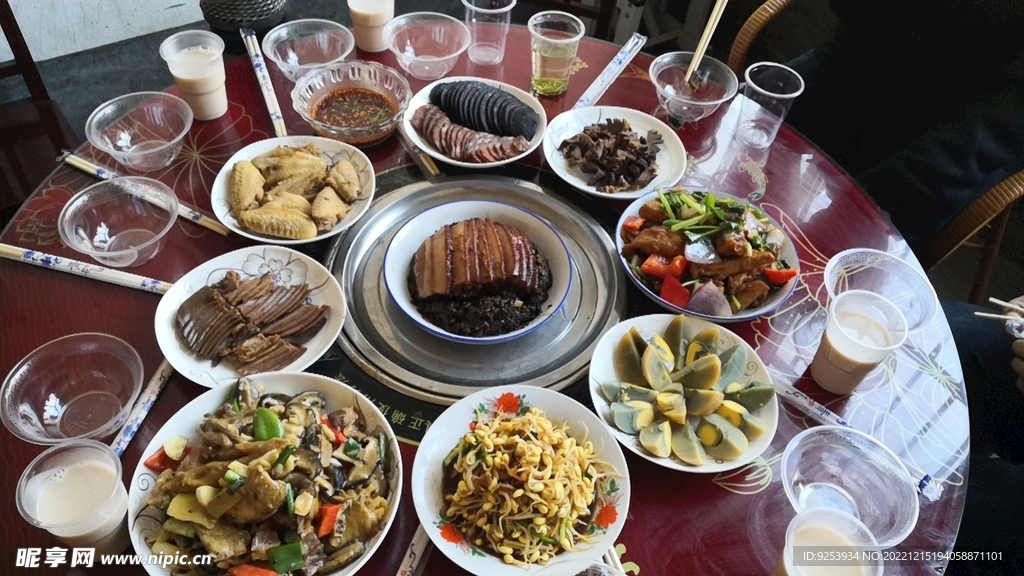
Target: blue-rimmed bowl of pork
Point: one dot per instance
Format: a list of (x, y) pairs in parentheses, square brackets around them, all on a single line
[(478, 272), (707, 254)]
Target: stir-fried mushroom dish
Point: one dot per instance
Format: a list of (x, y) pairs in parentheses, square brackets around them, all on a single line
[(612, 157), (713, 256), (275, 483)]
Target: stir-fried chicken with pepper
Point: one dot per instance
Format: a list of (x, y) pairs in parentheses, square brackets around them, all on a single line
[(275, 485), (714, 256)]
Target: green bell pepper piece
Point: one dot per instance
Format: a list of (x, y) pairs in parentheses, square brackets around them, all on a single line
[(266, 425)]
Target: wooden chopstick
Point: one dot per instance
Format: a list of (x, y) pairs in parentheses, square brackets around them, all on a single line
[(263, 79), (184, 210), (705, 39), (142, 407), (416, 554), (62, 264), (998, 316), (1010, 305)]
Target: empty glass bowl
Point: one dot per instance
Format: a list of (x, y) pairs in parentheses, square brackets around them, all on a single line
[(888, 275), (303, 45), (715, 83), (120, 222), (317, 85), (78, 386), (143, 131), (426, 44), (841, 468)]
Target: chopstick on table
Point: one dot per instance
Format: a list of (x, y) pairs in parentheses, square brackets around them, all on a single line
[(611, 558), (705, 39), (184, 210), (1009, 305), (416, 554), (263, 77), (612, 71), (62, 264), (998, 316), (142, 407)]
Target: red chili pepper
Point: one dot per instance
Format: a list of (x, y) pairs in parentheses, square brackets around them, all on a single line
[(779, 277), (634, 223), (339, 438), (328, 517), (660, 266), (674, 293)]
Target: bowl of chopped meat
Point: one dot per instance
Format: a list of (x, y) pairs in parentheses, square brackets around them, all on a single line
[(707, 254), (478, 272)]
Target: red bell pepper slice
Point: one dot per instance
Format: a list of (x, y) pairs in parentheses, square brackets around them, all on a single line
[(328, 517), (160, 461), (634, 223), (660, 266), (779, 277), (339, 438), (250, 570), (674, 293)]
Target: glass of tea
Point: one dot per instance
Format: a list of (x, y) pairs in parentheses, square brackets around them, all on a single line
[(554, 40)]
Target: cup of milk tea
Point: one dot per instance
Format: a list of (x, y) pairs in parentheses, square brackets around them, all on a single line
[(74, 491), (368, 20), (863, 328), (828, 542), (196, 60)]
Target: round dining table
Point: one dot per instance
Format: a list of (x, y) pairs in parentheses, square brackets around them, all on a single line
[(729, 523)]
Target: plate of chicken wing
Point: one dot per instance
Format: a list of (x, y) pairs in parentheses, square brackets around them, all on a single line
[(293, 190), (475, 122)]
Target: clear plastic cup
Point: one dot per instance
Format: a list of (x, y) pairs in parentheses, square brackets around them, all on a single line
[(488, 22), (862, 329), (368, 20), (74, 491), (825, 541), (554, 40), (196, 60), (768, 96)]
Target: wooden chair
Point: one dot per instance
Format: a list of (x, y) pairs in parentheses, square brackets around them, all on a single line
[(991, 209), (34, 131)]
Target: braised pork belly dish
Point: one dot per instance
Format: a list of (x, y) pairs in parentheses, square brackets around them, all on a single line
[(479, 278)]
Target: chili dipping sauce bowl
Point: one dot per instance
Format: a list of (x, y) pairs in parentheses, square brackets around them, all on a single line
[(359, 103)]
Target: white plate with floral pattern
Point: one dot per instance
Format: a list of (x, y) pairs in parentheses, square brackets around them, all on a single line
[(612, 497), (289, 268), (747, 367), (146, 521), (331, 150)]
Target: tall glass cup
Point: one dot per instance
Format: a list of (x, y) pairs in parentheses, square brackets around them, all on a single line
[(368, 20), (196, 60), (825, 541), (488, 22), (554, 39), (863, 328), (768, 96), (74, 491)]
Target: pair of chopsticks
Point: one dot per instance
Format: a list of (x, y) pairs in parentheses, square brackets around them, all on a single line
[(419, 550), (156, 384), (612, 71), (1011, 306), (705, 39), (263, 77), (184, 210)]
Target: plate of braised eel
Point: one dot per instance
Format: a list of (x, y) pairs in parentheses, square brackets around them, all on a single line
[(282, 473), (707, 254), (475, 122)]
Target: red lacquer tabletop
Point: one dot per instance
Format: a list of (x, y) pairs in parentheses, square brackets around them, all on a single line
[(678, 523)]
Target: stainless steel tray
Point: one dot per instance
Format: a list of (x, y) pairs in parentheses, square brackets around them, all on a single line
[(389, 346)]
